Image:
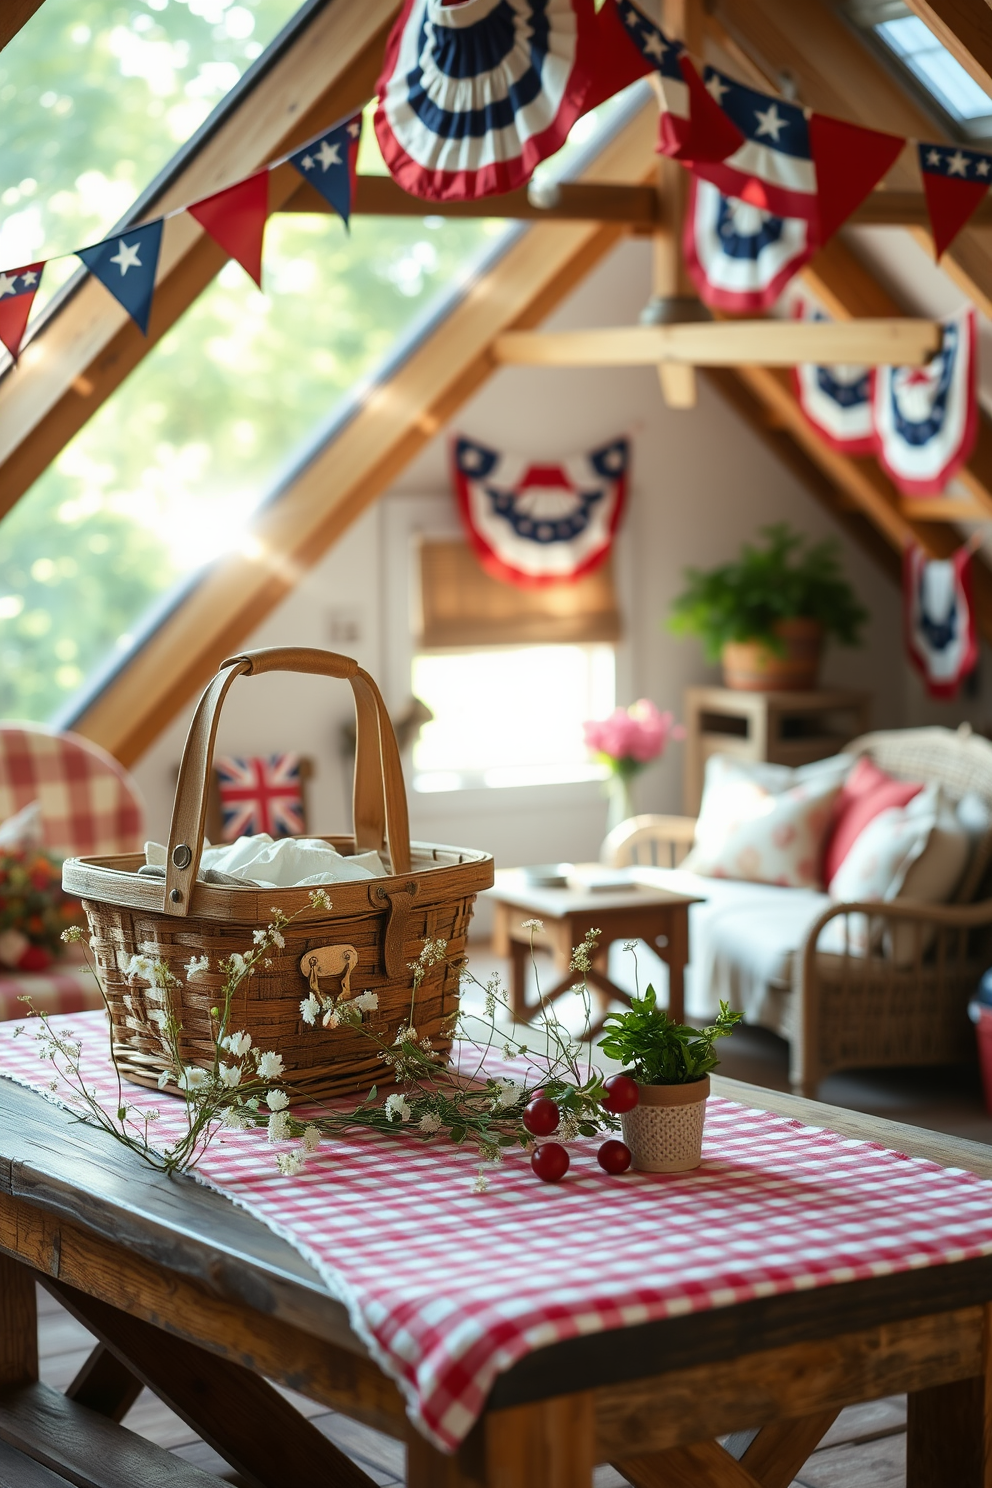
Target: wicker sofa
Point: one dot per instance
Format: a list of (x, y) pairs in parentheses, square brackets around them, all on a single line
[(841, 1010)]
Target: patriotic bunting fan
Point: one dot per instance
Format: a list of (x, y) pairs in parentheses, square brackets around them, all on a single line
[(939, 619), (533, 525), (837, 401), (260, 795), (926, 418), (739, 257), (472, 96)]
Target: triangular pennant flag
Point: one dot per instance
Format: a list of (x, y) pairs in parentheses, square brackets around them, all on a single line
[(772, 168), (329, 164), (235, 218), (125, 264), (611, 63), (954, 182), (849, 162), (712, 135), (18, 288), (692, 126)]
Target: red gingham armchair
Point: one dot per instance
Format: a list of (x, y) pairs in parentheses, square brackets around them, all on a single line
[(89, 805)]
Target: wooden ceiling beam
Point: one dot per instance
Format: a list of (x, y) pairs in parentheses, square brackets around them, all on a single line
[(817, 51), (636, 207), (395, 421), (964, 27), (87, 344), (13, 15)]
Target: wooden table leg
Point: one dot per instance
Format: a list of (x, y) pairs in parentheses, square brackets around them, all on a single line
[(426, 1467), (550, 1444), (18, 1324), (949, 1430), (519, 956), (676, 954), (236, 1412)]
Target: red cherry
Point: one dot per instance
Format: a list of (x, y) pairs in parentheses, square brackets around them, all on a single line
[(541, 1117), (613, 1157), (622, 1094), (550, 1162)]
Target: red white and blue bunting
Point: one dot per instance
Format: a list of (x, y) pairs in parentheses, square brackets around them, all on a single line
[(836, 400), (533, 525), (473, 95), (738, 256), (939, 619), (126, 263), (926, 418)]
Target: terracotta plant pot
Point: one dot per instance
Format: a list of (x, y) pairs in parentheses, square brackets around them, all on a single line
[(664, 1131), (749, 666)]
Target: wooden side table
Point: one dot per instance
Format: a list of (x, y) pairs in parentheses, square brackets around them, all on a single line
[(784, 728), (632, 911)]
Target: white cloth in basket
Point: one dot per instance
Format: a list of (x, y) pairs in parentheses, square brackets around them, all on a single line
[(280, 863)]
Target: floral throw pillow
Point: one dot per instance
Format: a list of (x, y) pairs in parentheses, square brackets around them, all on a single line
[(765, 823)]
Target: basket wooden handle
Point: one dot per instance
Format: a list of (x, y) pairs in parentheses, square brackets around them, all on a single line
[(379, 795)]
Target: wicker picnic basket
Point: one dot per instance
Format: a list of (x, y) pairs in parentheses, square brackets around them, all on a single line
[(373, 931)]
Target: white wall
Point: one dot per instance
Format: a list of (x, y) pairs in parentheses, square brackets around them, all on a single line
[(702, 483)]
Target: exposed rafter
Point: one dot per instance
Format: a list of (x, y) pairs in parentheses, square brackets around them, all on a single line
[(13, 15), (964, 27), (88, 344), (395, 421)]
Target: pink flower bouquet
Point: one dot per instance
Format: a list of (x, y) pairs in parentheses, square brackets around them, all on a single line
[(631, 737)]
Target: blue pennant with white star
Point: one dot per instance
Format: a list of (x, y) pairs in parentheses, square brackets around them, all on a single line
[(328, 163), (125, 264)]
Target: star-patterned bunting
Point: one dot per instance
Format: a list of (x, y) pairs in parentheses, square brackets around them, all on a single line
[(329, 164), (691, 126), (792, 164), (235, 218), (18, 288), (954, 182), (125, 264)]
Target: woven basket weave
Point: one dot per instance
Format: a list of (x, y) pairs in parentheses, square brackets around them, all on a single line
[(428, 896)]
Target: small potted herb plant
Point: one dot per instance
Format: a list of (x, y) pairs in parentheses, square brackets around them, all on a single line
[(670, 1065), (766, 615)]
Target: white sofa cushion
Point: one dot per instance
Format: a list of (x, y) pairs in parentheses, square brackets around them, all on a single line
[(742, 942), (765, 823)]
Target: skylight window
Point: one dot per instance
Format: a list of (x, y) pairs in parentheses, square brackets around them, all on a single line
[(932, 68), (940, 73)]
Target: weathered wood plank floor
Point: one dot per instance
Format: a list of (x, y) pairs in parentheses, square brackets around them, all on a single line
[(866, 1448)]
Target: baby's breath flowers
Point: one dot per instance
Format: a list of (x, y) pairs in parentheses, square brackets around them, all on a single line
[(242, 1088), (247, 1087)]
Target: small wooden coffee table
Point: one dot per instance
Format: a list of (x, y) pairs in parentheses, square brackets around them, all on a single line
[(627, 910)]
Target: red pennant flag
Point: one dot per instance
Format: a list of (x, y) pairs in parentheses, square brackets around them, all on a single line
[(18, 288), (712, 135), (612, 60), (849, 162), (235, 219), (954, 182)]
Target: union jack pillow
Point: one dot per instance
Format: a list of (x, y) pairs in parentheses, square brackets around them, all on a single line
[(260, 794)]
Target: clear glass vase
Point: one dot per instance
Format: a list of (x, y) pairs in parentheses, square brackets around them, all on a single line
[(620, 801)]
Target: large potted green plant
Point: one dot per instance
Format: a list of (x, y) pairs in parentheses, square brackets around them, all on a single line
[(670, 1064), (766, 615)]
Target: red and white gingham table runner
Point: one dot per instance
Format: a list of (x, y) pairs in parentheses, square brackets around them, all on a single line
[(448, 1287)]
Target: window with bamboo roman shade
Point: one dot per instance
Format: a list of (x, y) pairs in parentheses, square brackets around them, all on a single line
[(462, 606)]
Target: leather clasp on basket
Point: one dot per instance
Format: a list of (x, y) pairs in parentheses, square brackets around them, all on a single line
[(394, 940), (329, 961)]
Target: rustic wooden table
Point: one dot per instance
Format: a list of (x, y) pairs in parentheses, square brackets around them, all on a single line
[(625, 911), (194, 1298)]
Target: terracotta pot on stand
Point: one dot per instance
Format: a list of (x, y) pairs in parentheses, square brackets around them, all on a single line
[(750, 666), (664, 1131)]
